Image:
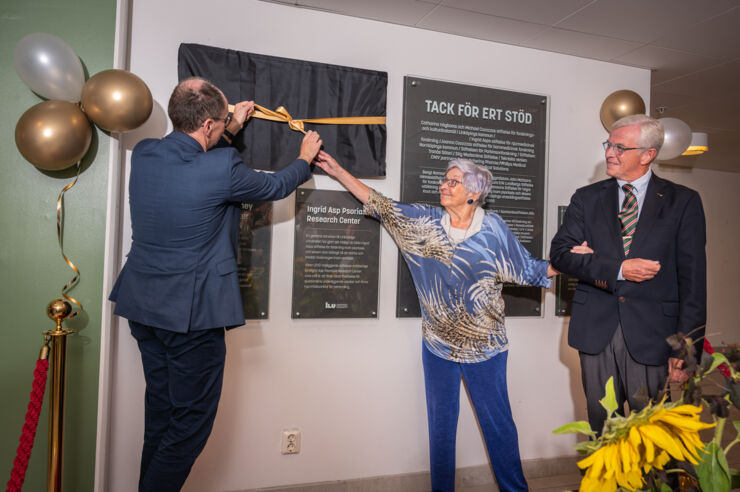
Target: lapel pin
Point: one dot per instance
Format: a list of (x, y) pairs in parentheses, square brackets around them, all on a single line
[(660, 195)]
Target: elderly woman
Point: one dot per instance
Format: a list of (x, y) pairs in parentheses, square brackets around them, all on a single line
[(459, 257)]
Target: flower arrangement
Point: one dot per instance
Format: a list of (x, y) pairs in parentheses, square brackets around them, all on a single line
[(641, 451)]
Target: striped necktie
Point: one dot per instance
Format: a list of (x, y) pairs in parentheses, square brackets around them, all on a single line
[(628, 216)]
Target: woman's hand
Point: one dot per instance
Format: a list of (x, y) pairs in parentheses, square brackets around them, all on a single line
[(327, 163), (359, 189), (551, 272), (582, 249)]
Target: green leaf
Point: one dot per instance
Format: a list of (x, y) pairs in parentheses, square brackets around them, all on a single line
[(609, 402), (736, 423), (580, 427), (712, 471), (719, 359)]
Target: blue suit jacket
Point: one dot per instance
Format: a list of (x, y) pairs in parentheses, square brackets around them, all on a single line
[(671, 230), (181, 272)]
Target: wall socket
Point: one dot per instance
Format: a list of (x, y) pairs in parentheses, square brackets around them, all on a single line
[(291, 442)]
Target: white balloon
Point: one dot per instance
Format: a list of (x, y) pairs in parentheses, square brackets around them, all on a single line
[(49, 67), (677, 138)]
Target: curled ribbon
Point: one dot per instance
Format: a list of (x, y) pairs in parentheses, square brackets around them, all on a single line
[(60, 238), (281, 115)]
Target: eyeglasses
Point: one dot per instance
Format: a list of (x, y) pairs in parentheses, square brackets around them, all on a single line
[(451, 183), (619, 149), (226, 120)]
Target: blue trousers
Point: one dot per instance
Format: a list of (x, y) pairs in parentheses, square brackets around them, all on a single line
[(486, 383), (184, 373)]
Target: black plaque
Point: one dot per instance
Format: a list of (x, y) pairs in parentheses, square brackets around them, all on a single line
[(565, 285), (335, 270), (253, 258), (505, 131), (305, 89)]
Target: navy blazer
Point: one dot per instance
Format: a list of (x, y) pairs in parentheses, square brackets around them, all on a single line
[(671, 230), (181, 272)]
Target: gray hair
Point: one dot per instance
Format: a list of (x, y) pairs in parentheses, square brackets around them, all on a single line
[(476, 179), (651, 130)]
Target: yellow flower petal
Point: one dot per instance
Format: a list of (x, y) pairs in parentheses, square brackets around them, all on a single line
[(648, 443), (662, 439), (611, 460), (686, 409), (634, 437), (661, 460), (689, 444), (624, 451), (684, 422)]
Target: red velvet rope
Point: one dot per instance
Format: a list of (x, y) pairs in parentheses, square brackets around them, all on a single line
[(18, 475)]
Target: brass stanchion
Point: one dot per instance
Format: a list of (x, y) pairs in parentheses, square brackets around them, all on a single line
[(58, 310)]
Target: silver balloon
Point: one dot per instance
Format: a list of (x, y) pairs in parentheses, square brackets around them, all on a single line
[(677, 138), (49, 67)]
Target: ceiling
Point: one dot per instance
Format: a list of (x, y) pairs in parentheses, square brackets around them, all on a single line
[(691, 46)]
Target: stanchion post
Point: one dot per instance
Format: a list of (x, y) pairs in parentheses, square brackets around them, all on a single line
[(57, 310)]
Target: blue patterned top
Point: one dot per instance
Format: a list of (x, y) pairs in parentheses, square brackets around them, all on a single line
[(459, 288)]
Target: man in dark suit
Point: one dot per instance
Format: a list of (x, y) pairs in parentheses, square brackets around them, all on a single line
[(179, 287), (644, 275)]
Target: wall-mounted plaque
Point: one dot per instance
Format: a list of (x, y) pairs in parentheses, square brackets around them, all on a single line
[(503, 130), (335, 270), (253, 258)]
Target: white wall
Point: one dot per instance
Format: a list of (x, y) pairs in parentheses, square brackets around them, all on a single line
[(354, 387)]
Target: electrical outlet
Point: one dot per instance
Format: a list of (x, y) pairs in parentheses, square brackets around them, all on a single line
[(291, 443)]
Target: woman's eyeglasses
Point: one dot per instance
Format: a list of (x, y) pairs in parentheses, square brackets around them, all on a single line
[(451, 183)]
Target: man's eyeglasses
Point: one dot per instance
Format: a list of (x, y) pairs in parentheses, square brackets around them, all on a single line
[(226, 120), (619, 149), (451, 183)]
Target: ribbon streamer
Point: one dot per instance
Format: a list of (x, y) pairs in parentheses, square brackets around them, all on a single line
[(60, 238), (281, 115)]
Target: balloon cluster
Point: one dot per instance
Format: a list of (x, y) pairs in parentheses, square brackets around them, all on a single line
[(625, 103), (55, 134)]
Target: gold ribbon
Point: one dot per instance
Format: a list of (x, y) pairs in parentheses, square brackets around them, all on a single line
[(281, 115), (60, 238)]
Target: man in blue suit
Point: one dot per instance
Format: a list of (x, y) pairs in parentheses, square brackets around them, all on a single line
[(645, 277), (179, 287)]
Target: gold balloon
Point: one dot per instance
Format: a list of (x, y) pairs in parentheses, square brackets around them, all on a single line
[(53, 135), (116, 100), (620, 104)]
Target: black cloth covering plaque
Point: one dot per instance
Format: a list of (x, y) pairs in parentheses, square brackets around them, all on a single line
[(307, 90)]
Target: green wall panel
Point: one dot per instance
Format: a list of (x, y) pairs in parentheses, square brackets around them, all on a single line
[(32, 271)]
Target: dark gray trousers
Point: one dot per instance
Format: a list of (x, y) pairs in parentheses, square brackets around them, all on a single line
[(629, 378)]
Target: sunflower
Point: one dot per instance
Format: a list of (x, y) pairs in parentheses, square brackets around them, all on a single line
[(645, 440)]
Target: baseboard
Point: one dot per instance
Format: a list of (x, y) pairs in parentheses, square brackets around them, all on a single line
[(419, 482)]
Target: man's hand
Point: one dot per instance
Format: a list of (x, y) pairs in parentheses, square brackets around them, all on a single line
[(675, 373), (582, 249), (242, 112), (639, 270), (310, 146)]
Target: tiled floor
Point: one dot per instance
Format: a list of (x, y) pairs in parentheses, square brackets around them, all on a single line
[(557, 483)]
